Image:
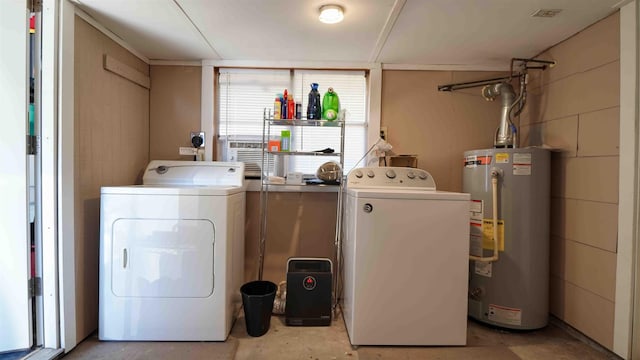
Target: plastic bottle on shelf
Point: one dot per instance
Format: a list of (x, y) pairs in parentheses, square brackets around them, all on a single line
[(274, 144), (330, 105), (277, 108), (285, 108), (291, 108), (285, 140), (314, 109), (299, 109)]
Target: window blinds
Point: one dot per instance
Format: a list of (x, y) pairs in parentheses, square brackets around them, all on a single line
[(244, 94)]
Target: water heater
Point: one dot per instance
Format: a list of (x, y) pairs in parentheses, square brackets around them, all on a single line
[(512, 291)]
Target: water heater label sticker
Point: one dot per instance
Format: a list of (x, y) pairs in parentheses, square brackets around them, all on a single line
[(522, 158), (472, 161), (476, 206), (487, 234), (522, 164), (476, 211), (483, 268), (475, 249), (521, 169), (505, 315), (502, 158)]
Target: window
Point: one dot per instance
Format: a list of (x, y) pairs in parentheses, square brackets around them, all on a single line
[(243, 94)]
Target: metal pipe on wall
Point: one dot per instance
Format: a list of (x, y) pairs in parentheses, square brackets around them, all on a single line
[(506, 131)]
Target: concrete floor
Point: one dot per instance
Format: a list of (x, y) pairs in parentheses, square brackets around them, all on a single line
[(332, 343)]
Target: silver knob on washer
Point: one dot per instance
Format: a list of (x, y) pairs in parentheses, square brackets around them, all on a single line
[(358, 174), (411, 175), (391, 174)]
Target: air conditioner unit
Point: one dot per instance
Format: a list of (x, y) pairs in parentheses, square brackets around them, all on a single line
[(249, 151)]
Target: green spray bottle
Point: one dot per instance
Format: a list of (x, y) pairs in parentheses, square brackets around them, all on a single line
[(330, 105)]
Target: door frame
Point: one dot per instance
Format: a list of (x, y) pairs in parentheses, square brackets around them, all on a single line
[(635, 263), (57, 161), (627, 304)]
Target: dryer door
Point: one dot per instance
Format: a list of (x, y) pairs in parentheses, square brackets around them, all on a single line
[(163, 258)]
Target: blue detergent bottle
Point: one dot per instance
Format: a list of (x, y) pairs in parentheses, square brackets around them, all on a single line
[(314, 108)]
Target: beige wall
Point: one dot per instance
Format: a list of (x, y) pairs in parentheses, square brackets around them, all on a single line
[(112, 148), (298, 225), (437, 126), (574, 108), (175, 110)]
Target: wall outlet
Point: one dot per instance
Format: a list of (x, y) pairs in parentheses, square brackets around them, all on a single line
[(383, 133), (197, 138)]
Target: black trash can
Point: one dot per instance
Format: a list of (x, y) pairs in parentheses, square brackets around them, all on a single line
[(257, 300)]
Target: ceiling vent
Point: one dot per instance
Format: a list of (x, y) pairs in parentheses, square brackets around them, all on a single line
[(546, 13)]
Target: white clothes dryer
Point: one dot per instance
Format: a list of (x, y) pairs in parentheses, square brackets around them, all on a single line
[(172, 253), (406, 252)]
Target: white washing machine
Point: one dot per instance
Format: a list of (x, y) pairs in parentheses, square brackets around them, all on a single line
[(406, 259), (172, 253)]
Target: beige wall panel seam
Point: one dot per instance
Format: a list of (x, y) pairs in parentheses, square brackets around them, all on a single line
[(599, 133), (580, 93), (587, 245), (570, 115), (588, 222), (579, 269), (592, 201), (546, 84), (579, 199), (577, 136), (558, 118), (585, 290), (598, 110), (595, 156), (590, 314)]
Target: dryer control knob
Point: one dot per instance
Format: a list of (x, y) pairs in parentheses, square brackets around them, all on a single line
[(423, 176), (391, 174), (358, 174), (371, 174), (411, 175)]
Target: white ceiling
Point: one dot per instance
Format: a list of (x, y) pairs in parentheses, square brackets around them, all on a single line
[(482, 33)]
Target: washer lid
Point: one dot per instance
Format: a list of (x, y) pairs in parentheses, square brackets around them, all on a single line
[(406, 194), (172, 172), (172, 190)]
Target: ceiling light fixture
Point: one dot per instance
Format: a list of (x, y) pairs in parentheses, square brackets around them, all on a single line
[(331, 14)]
